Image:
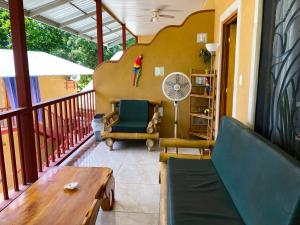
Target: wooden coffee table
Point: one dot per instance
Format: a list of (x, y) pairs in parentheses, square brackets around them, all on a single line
[(46, 202)]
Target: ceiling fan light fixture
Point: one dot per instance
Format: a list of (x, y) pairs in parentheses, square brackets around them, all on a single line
[(155, 19)]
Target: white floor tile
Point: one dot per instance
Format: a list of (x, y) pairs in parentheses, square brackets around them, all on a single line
[(118, 218), (138, 198), (130, 173)]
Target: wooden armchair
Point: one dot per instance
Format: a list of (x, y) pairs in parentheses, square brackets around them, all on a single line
[(130, 120)]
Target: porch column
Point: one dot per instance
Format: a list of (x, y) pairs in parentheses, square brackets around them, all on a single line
[(124, 36), (23, 86), (99, 30)]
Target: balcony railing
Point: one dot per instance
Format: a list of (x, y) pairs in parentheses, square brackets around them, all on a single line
[(60, 127)]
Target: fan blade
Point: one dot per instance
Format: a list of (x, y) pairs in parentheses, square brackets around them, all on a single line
[(142, 16), (170, 83), (167, 16), (185, 84)]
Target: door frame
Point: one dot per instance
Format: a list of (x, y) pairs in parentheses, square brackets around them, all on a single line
[(234, 8), (225, 62)]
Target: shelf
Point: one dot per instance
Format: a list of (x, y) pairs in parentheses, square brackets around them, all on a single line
[(200, 96), (200, 134), (197, 85), (200, 115), (202, 75)]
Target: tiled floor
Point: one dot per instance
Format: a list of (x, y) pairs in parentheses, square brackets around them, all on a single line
[(136, 172)]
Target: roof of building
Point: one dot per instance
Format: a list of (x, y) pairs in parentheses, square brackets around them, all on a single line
[(77, 17), (41, 64)]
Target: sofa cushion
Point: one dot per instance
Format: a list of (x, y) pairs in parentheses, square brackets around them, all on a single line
[(134, 110), (131, 127), (263, 181), (196, 195)]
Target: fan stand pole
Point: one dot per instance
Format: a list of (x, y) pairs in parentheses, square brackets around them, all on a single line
[(176, 119)]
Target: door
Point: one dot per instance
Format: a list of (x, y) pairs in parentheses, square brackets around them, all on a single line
[(228, 66)]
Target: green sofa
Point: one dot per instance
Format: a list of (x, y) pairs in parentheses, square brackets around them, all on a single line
[(247, 181)]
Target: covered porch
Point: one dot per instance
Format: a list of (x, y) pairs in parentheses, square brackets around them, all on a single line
[(136, 179)]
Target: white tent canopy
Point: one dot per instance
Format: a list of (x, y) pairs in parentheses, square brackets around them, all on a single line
[(41, 64)]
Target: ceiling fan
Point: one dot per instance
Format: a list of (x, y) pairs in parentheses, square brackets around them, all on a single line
[(156, 13)]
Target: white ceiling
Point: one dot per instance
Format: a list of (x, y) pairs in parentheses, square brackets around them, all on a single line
[(130, 12)]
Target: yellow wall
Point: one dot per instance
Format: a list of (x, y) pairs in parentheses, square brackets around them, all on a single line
[(54, 87), (209, 4), (145, 39), (2, 99), (245, 49), (176, 49)]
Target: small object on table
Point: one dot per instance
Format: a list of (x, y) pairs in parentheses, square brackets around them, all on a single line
[(71, 186)]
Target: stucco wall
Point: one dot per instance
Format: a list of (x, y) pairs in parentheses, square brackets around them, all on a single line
[(145, 39), (52, 87), (176, 49)]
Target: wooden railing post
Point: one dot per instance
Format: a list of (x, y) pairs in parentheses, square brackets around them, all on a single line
[(124, 37), (16, 10), (99, 30)]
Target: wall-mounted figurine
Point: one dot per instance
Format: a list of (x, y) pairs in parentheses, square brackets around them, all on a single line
[(137, 70)]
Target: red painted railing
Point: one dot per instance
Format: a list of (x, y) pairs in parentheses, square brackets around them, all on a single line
[(60, 127), (3, 123)]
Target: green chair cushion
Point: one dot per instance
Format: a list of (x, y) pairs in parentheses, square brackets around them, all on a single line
[(134, 111), (130, 127), (262, 180), (197, 196)]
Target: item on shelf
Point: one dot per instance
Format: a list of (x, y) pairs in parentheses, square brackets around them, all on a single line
[(207, 87), (205, 56), (200, 81), (206, 111)]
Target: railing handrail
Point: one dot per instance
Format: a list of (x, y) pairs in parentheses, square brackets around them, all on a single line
[(11, 113), (57, 100)]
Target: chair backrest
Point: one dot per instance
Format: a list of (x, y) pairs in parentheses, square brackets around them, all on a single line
[(262, 180), (91, 215), (134, 110)]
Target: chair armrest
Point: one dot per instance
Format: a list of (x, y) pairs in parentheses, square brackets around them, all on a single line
[(163, 157), (153, 124), (109, 120)]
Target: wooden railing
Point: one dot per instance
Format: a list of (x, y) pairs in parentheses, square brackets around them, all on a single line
[(60, 127), (3, 123)]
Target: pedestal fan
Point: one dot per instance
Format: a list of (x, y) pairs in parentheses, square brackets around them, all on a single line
[(176, 87)]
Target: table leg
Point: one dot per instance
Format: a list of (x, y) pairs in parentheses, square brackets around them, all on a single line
[(108, 198)]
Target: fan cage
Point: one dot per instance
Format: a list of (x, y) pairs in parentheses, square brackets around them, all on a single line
[(173, 79)]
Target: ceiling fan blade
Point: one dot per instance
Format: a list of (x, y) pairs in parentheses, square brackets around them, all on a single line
[(167, 16), (142, 16)]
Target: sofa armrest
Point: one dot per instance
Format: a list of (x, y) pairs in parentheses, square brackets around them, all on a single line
[(185, 143), (163, 157), (109, 120)]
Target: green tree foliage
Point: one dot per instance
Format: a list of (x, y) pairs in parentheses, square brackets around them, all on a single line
[(42, 37)]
